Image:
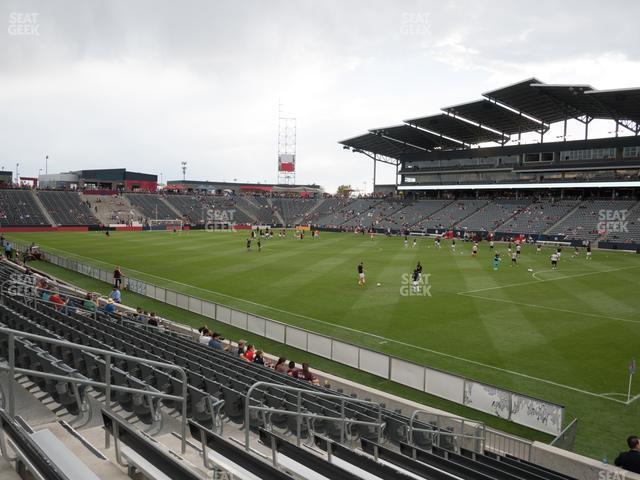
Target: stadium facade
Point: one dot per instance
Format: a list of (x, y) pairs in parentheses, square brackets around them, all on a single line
[(479, 145)]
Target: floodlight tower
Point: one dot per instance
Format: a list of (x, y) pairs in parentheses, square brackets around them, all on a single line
[(286, 148), (184, 170)]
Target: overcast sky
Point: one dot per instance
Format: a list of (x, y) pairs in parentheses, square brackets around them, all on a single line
[(148, 84)]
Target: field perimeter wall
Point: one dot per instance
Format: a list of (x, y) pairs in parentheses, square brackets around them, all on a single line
[(521, 409)]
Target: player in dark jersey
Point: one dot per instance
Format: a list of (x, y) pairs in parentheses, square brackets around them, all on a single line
[(259, 245), (415, 276), (361, 279), (589, 251), (248, 244)]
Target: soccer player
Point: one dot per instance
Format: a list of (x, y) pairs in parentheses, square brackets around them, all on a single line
[(259, 245), (453, 245), (496, 261), (361, 279), (491, 244), (559, 252), (509, 247), (589, 251), (538, 248), (437, 242), (406, 242), (576, 252), (514, 259), (414, 244), (518, 249), (554, 261), (248, 244), (416, 281), (419, 270), (474, 250)]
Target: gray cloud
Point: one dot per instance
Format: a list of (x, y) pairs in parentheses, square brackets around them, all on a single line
[(148, 84)]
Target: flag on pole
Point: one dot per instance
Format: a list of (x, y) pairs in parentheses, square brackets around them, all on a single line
[(632, 366)]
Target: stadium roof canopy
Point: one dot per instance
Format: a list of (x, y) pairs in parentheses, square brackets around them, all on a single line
[(455, 128), (492, 115), (415, 136), (530, 100), (624, 102), (379, 145)]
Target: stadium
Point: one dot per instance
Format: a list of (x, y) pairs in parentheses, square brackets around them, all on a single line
[(474, 319)]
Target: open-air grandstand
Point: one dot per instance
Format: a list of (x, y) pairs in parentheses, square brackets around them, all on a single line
[(92, 388), (547, 217)]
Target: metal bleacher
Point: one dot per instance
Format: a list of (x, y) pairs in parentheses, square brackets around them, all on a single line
[(77, 356)]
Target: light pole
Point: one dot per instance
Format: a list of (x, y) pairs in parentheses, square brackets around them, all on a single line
[(184, 170), (46, 164)]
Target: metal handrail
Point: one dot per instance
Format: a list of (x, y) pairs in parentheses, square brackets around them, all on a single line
[(108, 355), (214, 406), (300, 414), (117, 316), (438, 431)]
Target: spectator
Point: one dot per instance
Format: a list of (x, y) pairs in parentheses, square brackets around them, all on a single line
[(630, 460), (115, 295), (281, 365), (8, 250), (241, 347), (215, 342), (88, 303), (117, 277), (205, 336), (153, 320), (57, 300), (258, 358), (110, 307), (250, 353), (292, 371), (305, 374)]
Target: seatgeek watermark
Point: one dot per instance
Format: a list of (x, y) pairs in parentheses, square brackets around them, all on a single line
[(24, 24), (415, 288), (609, 475), (415, 23), (20, 285), (612, 221), (220, 220)]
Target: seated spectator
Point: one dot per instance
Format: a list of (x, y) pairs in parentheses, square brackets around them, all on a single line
[(630, 460), (88, 303), (55, 298), (292, 371), (153, 320), (205, 336), (305, 374), (116, 295), (110, 307), (215, 342), (250, 353), (241, 347), (281, 365), (258, 357)]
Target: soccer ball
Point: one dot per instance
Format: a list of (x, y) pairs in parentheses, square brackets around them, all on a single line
[(529, 269), (378, 285)]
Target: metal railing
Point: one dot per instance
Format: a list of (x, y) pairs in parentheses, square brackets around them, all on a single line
[(445, 426), (108, 355), (504, 444), (215, 405), (300, 414)]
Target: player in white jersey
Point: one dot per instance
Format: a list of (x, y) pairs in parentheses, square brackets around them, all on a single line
[(554, 261), (474, 250), (514, 259)]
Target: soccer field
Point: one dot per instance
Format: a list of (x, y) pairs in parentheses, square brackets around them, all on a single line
[(566, 335)]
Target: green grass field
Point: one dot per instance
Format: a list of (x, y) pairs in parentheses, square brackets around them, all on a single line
[(566, 336)]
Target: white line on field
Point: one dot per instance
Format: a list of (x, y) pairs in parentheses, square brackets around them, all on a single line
[(555, 309), (368, 334), (548, 280)]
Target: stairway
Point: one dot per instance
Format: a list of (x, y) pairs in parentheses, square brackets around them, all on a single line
[(42, 208), (112, 208), (550, 229), (171, 207)]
